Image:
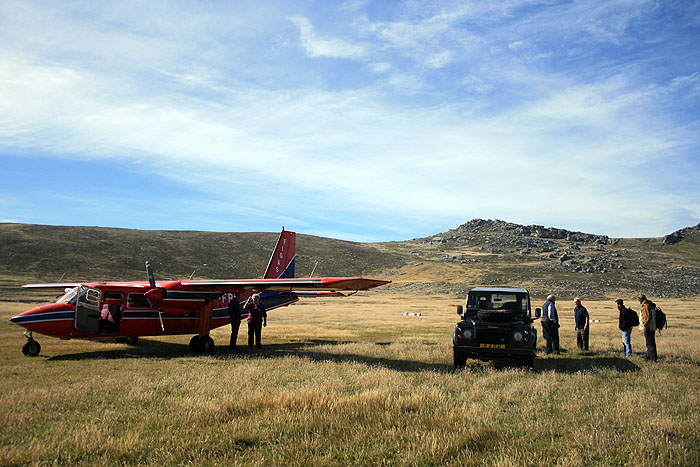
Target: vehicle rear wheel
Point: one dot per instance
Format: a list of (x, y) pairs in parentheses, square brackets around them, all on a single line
[(31, 348), (460, 360), (528, 362)]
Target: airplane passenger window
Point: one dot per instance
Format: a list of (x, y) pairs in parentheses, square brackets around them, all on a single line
[(114, 295), (138, 300)]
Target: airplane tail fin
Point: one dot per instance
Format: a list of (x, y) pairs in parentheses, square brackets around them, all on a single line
[(281, 263)]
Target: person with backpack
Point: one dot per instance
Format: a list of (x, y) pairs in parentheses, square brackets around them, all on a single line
[(648, 326), (628, 319)]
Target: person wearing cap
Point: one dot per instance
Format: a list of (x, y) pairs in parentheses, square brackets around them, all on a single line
[(581, 322), (257, 318), (550, 325), (647, 325)]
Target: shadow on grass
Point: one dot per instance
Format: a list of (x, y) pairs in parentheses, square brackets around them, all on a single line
[(590, 363), (308, 350), (150, 348), (147, 348)]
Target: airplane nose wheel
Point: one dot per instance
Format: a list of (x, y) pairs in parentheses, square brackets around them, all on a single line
[(31, 348), (201, 344)]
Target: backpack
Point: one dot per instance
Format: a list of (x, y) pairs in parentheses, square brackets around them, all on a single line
[(660, 319), (634, 317)]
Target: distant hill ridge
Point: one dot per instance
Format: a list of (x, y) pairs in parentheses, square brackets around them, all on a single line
[(478, 252)]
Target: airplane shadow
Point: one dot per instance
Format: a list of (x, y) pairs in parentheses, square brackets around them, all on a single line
[(146, 348), (306, 349)]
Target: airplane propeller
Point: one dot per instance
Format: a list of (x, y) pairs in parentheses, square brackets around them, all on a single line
[(156, 294)]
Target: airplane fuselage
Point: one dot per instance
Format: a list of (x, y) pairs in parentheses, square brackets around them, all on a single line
[(138, 316)]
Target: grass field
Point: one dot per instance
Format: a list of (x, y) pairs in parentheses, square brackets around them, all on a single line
[(353, 382)]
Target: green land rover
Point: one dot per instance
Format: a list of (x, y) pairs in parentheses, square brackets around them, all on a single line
[(496, 324)]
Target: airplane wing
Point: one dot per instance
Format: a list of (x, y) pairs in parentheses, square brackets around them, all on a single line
[(61, 285), (321, 294), (291, 284)]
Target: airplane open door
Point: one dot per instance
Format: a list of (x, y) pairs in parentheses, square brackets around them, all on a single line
[(87, 309)]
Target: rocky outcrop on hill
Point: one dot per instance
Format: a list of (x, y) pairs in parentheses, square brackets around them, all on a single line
[(550, 258), (481, 226), (678, 235)]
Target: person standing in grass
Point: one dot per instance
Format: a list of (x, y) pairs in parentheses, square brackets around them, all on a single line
[(550, 325), (582, 322), (628, 319), (257, 318), (234, 314), (648, 326)]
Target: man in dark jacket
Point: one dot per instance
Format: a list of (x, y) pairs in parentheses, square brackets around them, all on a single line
[(234, 314), (581, 326), (550, 325), (627, 320), (257, 318)]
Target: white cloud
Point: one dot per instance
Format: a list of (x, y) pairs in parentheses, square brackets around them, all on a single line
[(318, 47), (381, 67)]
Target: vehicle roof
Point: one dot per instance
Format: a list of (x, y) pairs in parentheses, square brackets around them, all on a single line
[(499, 289)]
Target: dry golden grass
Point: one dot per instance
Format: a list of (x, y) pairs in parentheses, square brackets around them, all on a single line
[(353, 382)]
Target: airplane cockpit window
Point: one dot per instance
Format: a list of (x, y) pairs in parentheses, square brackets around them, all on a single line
[(69, 296), (138, 300)]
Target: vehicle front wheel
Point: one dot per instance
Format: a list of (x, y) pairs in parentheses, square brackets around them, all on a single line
[(460, 360)]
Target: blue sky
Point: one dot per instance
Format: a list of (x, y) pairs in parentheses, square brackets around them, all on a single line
[(358, 120)]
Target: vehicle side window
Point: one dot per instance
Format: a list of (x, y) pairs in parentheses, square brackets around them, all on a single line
[(138, 300)]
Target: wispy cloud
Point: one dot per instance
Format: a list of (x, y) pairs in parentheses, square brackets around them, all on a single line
[(324, 47)]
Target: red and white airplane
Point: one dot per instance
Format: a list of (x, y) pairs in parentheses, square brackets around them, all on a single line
[(126, 310)]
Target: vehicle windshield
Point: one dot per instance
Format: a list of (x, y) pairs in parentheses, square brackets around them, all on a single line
[(69, 296), (497, 301)]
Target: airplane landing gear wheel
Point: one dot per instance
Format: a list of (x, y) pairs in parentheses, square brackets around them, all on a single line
[(132, 340), (31, 348), (201, 344), (206, 344), (194, 343)]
